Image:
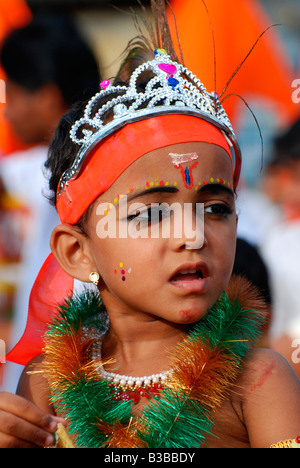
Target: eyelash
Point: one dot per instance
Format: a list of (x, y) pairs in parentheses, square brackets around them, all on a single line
[(221, 210), (139, 217)]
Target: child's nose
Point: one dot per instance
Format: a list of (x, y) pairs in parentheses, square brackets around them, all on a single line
[(188, 232)]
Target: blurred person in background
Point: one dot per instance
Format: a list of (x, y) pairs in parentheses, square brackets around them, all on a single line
[(281, 249), (49, 67), (250, 264)]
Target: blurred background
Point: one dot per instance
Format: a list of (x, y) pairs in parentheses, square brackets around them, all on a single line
[(55, 52)]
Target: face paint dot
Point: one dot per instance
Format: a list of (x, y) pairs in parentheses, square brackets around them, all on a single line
[(123, 272), (175, 184), (121, 265), (116, 272), (151, 184), (130, 270), (123, 278), (166, 184), (212, 179)]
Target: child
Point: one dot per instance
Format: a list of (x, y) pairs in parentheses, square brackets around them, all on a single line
[(144, 165)]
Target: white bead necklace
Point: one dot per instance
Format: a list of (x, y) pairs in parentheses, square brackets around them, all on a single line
[(133, 387)]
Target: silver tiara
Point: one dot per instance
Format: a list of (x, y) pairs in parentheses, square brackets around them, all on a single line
[(172, 89)]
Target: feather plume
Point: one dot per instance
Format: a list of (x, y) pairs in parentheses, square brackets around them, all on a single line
[(151, 35)]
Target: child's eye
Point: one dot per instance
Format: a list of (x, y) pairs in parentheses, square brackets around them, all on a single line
[(151, 215), (219, 209)]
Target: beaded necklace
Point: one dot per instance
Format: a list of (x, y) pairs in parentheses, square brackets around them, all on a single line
[(132, 388)]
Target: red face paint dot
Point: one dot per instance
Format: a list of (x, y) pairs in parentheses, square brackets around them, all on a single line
[(161, 183), (116, 272), (123, 272)]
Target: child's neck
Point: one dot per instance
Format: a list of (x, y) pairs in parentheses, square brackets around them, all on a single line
[(142, 347)]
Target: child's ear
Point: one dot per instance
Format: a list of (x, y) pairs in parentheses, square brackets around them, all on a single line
[(71, 249)]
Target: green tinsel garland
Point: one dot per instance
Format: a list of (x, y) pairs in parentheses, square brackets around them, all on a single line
[(173, 419)]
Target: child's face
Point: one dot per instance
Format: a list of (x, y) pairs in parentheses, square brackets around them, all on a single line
[(173, 277)]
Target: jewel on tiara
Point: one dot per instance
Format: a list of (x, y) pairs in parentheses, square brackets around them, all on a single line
[(173, 89)]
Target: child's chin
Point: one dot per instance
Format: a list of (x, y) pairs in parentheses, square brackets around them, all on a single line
[(192, 315)]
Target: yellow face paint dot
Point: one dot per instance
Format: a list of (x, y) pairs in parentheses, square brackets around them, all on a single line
[(121, 265), (175, 184), (212, 179), (166, 184)]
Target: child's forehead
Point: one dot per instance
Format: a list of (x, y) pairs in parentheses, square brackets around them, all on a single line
[(167, 164)]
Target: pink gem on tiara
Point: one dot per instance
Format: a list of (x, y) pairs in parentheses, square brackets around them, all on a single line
[(168, 68), (105, 84)]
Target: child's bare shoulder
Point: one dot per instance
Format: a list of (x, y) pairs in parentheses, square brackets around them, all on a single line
[(265, 368), (263, 407), (270, 398), (33, 385)]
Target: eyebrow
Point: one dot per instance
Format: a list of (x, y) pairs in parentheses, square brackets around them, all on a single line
[(216, 188), (153, 190)]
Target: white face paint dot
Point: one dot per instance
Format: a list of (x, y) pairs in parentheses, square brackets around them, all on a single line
[(130, 270)]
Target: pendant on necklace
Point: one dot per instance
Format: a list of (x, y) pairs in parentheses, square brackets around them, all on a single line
[(135, 394)]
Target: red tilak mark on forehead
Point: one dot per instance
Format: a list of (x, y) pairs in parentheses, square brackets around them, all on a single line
[(187, 175)]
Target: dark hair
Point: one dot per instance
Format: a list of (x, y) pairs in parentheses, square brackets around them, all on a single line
[(287, 145), (51, 50), (249, 263), (62, 150)]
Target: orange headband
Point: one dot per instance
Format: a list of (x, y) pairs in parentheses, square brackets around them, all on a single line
[(113, 155)]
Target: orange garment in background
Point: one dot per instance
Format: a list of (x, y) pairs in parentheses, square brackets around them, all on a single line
[(13, 14), (267, 73)]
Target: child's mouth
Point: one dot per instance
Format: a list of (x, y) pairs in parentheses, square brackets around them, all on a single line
[(188, 276), (191, 278)]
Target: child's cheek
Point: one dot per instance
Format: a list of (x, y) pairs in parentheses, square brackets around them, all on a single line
[(121, 272)]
